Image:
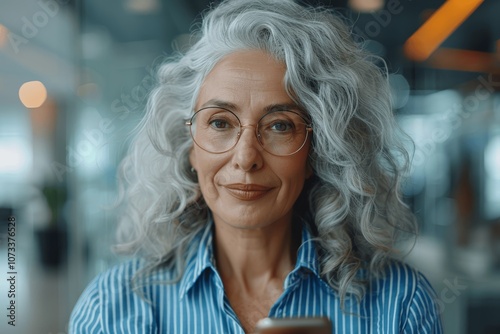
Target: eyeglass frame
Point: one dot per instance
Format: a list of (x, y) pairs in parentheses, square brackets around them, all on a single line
[(189, 122)]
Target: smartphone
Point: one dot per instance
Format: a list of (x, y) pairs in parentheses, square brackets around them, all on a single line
[(294, 326)]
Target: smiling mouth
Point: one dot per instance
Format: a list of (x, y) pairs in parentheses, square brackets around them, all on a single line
[(247, 192)]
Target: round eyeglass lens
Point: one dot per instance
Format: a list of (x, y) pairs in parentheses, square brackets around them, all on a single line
[(283, 132), (214, 129)]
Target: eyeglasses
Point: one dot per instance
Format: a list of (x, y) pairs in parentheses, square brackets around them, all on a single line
[(217, 130)]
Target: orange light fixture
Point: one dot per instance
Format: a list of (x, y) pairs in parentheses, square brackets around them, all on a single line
[(438, 27), (463, 60)]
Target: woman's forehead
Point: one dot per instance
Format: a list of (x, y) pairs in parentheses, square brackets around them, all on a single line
[(244, 79)]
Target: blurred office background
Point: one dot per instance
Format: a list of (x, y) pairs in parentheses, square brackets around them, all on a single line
[(74, 75)]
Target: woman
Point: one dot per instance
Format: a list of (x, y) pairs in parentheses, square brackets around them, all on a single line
[(263, 181)]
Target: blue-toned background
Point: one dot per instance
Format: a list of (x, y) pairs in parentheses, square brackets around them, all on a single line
[(74, 76)]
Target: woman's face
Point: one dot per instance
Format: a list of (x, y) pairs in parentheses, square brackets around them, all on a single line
[(247, 187)]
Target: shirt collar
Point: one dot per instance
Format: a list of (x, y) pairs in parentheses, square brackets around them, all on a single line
[(199, 260), (306, 255), (307, 260), (203, 258)]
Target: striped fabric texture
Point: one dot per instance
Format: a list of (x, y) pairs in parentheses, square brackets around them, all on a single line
[(400, 302)]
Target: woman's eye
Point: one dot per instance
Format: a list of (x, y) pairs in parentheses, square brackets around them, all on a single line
[(281, 126), (219, 124)]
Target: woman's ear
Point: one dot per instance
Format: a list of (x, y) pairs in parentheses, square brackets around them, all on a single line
[(192, 159)]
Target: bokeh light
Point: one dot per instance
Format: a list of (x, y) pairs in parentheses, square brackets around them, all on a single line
[(32, 94), (366, 5), (3, 35)]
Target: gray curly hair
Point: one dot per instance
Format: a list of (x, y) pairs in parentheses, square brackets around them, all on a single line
[(352, 203)]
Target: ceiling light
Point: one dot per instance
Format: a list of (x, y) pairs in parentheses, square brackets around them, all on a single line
[(438, 27)]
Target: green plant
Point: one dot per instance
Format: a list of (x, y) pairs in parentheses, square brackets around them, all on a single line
[(55, 196)]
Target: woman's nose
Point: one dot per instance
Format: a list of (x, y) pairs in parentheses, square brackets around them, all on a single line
[(247, 154)]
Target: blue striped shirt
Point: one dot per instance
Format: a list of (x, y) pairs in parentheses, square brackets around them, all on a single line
[(400, 302)]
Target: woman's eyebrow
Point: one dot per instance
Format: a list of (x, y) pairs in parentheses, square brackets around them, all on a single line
[(283, 106), (270, 108), (220, 104)]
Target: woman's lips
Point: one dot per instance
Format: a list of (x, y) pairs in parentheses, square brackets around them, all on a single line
[(247, 192)]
